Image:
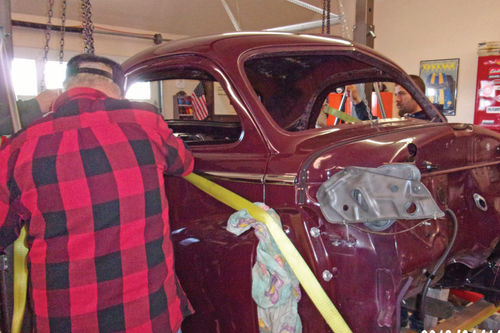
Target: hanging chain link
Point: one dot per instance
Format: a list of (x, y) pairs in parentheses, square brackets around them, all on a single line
[(328, 11), (323, 17), (325, 22), (63, 29), (48, 29), (88, 27), (47, 41)]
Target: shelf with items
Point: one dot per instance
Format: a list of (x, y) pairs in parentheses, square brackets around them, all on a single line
[(183, 107)]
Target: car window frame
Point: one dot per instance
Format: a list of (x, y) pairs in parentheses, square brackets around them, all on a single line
[(152, 68)]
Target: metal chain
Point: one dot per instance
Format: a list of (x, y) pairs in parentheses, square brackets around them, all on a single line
[(63, 29), (88, 27), (328, 11), (325, 22), (323, 18), (47, 41)]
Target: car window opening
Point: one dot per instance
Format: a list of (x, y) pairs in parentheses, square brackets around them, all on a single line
[(195, 106), (294, 89)]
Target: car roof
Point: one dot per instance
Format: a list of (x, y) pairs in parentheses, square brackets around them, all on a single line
[(234, 44)]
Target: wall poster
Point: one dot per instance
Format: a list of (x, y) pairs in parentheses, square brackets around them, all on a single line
[(441, 78)]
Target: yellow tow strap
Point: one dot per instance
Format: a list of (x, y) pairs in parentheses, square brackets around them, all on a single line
[(20, 281), (292, 256), (341, 115)]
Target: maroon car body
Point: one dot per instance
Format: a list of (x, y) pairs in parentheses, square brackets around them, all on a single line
[(272, 160)]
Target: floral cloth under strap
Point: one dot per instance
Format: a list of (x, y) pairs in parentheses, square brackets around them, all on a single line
[(275, 288)]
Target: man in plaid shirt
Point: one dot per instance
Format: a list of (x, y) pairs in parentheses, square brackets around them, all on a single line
[(88, 182)]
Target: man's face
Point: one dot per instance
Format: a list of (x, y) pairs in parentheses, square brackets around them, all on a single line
[(404, 102)]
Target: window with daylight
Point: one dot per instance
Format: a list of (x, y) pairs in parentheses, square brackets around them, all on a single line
[(139, 91), (24, 77), (54, 74)]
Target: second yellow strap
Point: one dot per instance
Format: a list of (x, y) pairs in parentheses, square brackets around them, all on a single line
[(20, 281)]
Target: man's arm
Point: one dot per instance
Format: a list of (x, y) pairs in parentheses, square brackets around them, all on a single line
[(180, 161), (359, 106), (32, 109), (29, 111), (321, 121), (362, 111)]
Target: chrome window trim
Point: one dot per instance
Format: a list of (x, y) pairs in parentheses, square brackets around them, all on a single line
[(252, 178), (287, 179)]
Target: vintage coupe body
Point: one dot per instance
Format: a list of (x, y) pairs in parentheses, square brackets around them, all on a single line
[(267, 148)]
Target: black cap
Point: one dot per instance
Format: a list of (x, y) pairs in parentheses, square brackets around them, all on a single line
[(73, 68)]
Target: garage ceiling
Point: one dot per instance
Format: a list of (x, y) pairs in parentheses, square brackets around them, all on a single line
[(181, 17)]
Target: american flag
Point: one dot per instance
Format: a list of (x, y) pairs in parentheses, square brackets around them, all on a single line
[(199, 102)]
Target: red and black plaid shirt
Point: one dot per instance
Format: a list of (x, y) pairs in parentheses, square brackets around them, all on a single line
[(88, 182)]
